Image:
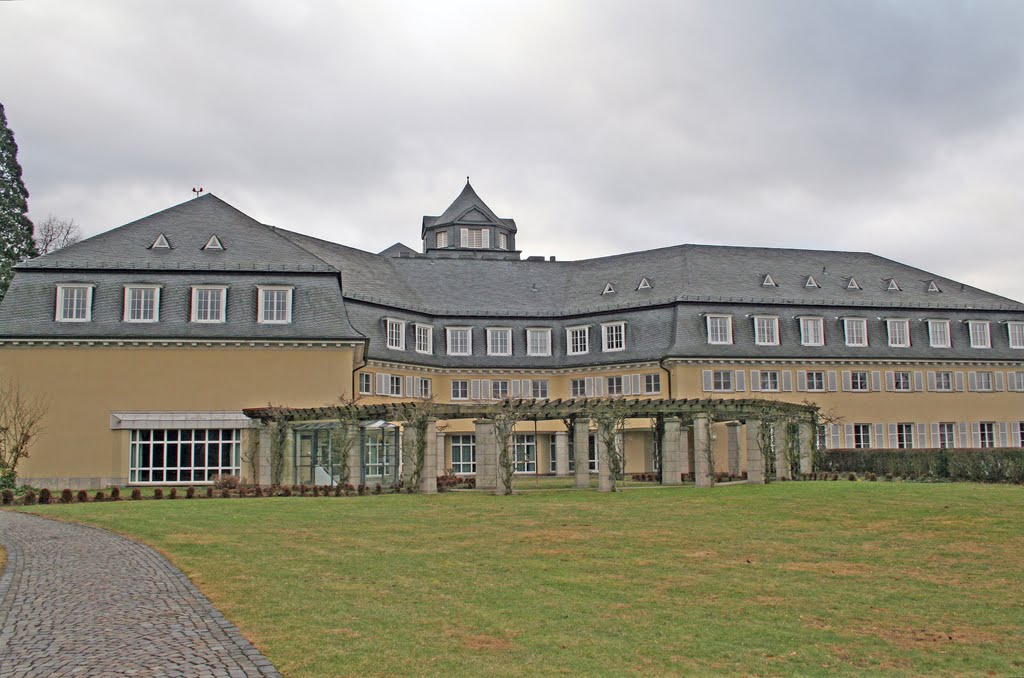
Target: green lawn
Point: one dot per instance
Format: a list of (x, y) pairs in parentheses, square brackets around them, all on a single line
[(793, 578)]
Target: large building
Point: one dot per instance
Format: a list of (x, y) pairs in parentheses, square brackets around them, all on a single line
[(149, 340)]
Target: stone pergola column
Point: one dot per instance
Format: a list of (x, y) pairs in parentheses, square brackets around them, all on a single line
[(703, 471), (604, 471), (428, 478), (781, 464), (806, 447), (355, 455), (263, 466), (732, 431), (439, 468), (486, 455), (580, 441), (561, 453), (755, 463), (673, 451)]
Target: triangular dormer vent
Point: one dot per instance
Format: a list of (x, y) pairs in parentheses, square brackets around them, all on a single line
[(768, 281), (893, 286), (932, 287), (811, 282), (213, 243), (608, 289), (645, 284), (852, 285), (160, 243)]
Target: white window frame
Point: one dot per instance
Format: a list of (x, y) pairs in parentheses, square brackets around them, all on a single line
[(984, 337), (521, 446), (904, 437), (128, 289), (895, 340), (540, 389), (650, 381), (946, 436), (499, 389), (394, 334), (715, 337), (424, 332), (902, 381), (983, 381), (606, 328), (469, 340), (502, 241), (532, 332), (463, 444), (365, 383), (223, 303), (854, 382), (459, 396), (1015, 334), (492, 334), (821, 385), (766, 334), (441, 239), (849, 323), (946, 377), (62, 291), (569, 339), (719, 379), (770, 380), (578, 388), (261, 304), (935, 338), (862, 435), (614, 385), (806, 338), (987, 434)]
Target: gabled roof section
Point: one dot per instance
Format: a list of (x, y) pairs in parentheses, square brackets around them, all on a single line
[(468, 208), (254, 246), (399, 250)]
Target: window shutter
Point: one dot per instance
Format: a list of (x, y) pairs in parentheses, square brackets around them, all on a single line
[(485, 238), (755, 380), (976, 434), (474, 389), (922, 436), (636, 384), (408, 387), (527, 386), (893, 441), (964, 437), (1003, 434), (1011, 381), (879, 436), (1015, 433), (832, 380), (801, 380), (739, 380), (517, 391), (372, 384), (847, 381), (958, 377), (787, 380), (918, 381), (834, 434), (931, 380), (972, 381), (890, 381), (464, 237), (598, 386), (876, 381), (627, 384), (709, 383), (935, 435), (383, 384), (588, 387), (486, 390), (849, 435), (997, 381)]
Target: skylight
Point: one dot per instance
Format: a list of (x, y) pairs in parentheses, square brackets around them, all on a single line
[(893, 286), (768, 281), (932, 287), (811, 282), (160, 243), (213, 243), (608, 289), (852, 285), (645, 284)]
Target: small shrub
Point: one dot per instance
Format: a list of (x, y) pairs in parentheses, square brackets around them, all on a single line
[(190, 492), (316, 491), (7, 496), (303, 490), (225, 493), (29, 498), (100, 496), (257, 491), (45, 496), (337, 490), (377, 489), (136, 494), (888, 476), (361, 490), (285, 491), (348, 489), (158, 493), (835, 476), (83, 496), (67, 496), (209, 491), (226, 482), (115, 493), (851, 476), (173, 494)]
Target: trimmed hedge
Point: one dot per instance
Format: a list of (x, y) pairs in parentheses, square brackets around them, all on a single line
[(989, 465)]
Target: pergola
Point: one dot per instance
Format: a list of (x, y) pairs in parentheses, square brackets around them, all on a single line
[(673, 416)]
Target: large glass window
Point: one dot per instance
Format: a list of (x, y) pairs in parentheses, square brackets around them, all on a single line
[(396, 334), (526, 453), (856, 331), (769, 380), (463, 454), (719, 329), (721, 380), (499, 389), (862, 435), (460, 341), (766, 330), (901, 381), (424, 339), (947, 436), (141, 304), (812, 332), (379, 453), (943, 381), (74, 303), (899, 332), (538, 341), (183, 455), (938, 334), (208, 304), (614, 336), (614, 386), (460, 389), (499, 341), (539, 388), (275, 305), (904, 436), (987, 429), (1016, 334), (577, 340), (979, 334)]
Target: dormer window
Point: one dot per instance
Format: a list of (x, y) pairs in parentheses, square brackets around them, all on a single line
[(768, 281), (645, 284), (213, 243), (811, 282), (577, 340), (719, 329), (396, 334), (856, 330), (1015, 331), (853, 284), (979, 331), (608, 289), (899, 332), (938, 334), (613, 336), (766, 330), (476, 238), (499, 341), (74, 303), (209, 303), (812, 331), (441, 239), (275, 304), (538, 341), (502, 241), (460, 341), (932, 287), (141, 303), (893, 286), (160, 243), (424, 338)]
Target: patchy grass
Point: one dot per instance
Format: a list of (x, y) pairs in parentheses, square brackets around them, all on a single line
[(792, 578)]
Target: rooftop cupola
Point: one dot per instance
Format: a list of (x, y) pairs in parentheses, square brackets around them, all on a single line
[(469, 226)]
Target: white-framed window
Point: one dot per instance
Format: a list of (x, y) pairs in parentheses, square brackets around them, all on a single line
[(275, 304), (901, 381), (209, 303), (539, 388), (578, 388), (652, 383), (980, 337), (460, 389), (812, 331), (943, 381), (947, 435), (502, 241), (424, 338), (613, 336), (460, 341), (614, 385), (395, 385), (577, 340), (423, 387), (463, 454), (396, 334), (904, 436), (862, 436), (856, 330), (141, 303), (538, 341), (441, 239), (815, 381), (899, 332), (987, 429), (766, 330), (721, 380), (183, 455), (499, 389), (526, 453), (938, 334), (769, 380), (365, 383), (499, 341), (74, 303), (476, 238), (719, 329), (821, 437), (859, 381), (1015, 331), (983, 381)]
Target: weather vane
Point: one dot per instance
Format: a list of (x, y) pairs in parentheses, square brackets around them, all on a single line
[(197, 191)]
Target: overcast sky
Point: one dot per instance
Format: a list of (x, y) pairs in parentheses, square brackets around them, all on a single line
[(601, 127)]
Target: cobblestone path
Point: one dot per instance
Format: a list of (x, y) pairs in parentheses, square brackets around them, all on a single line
[(80, 601)]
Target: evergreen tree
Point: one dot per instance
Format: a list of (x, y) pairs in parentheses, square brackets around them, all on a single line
[(16, 243)]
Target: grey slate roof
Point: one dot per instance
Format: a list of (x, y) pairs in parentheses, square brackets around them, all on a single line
[(462, 211)]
